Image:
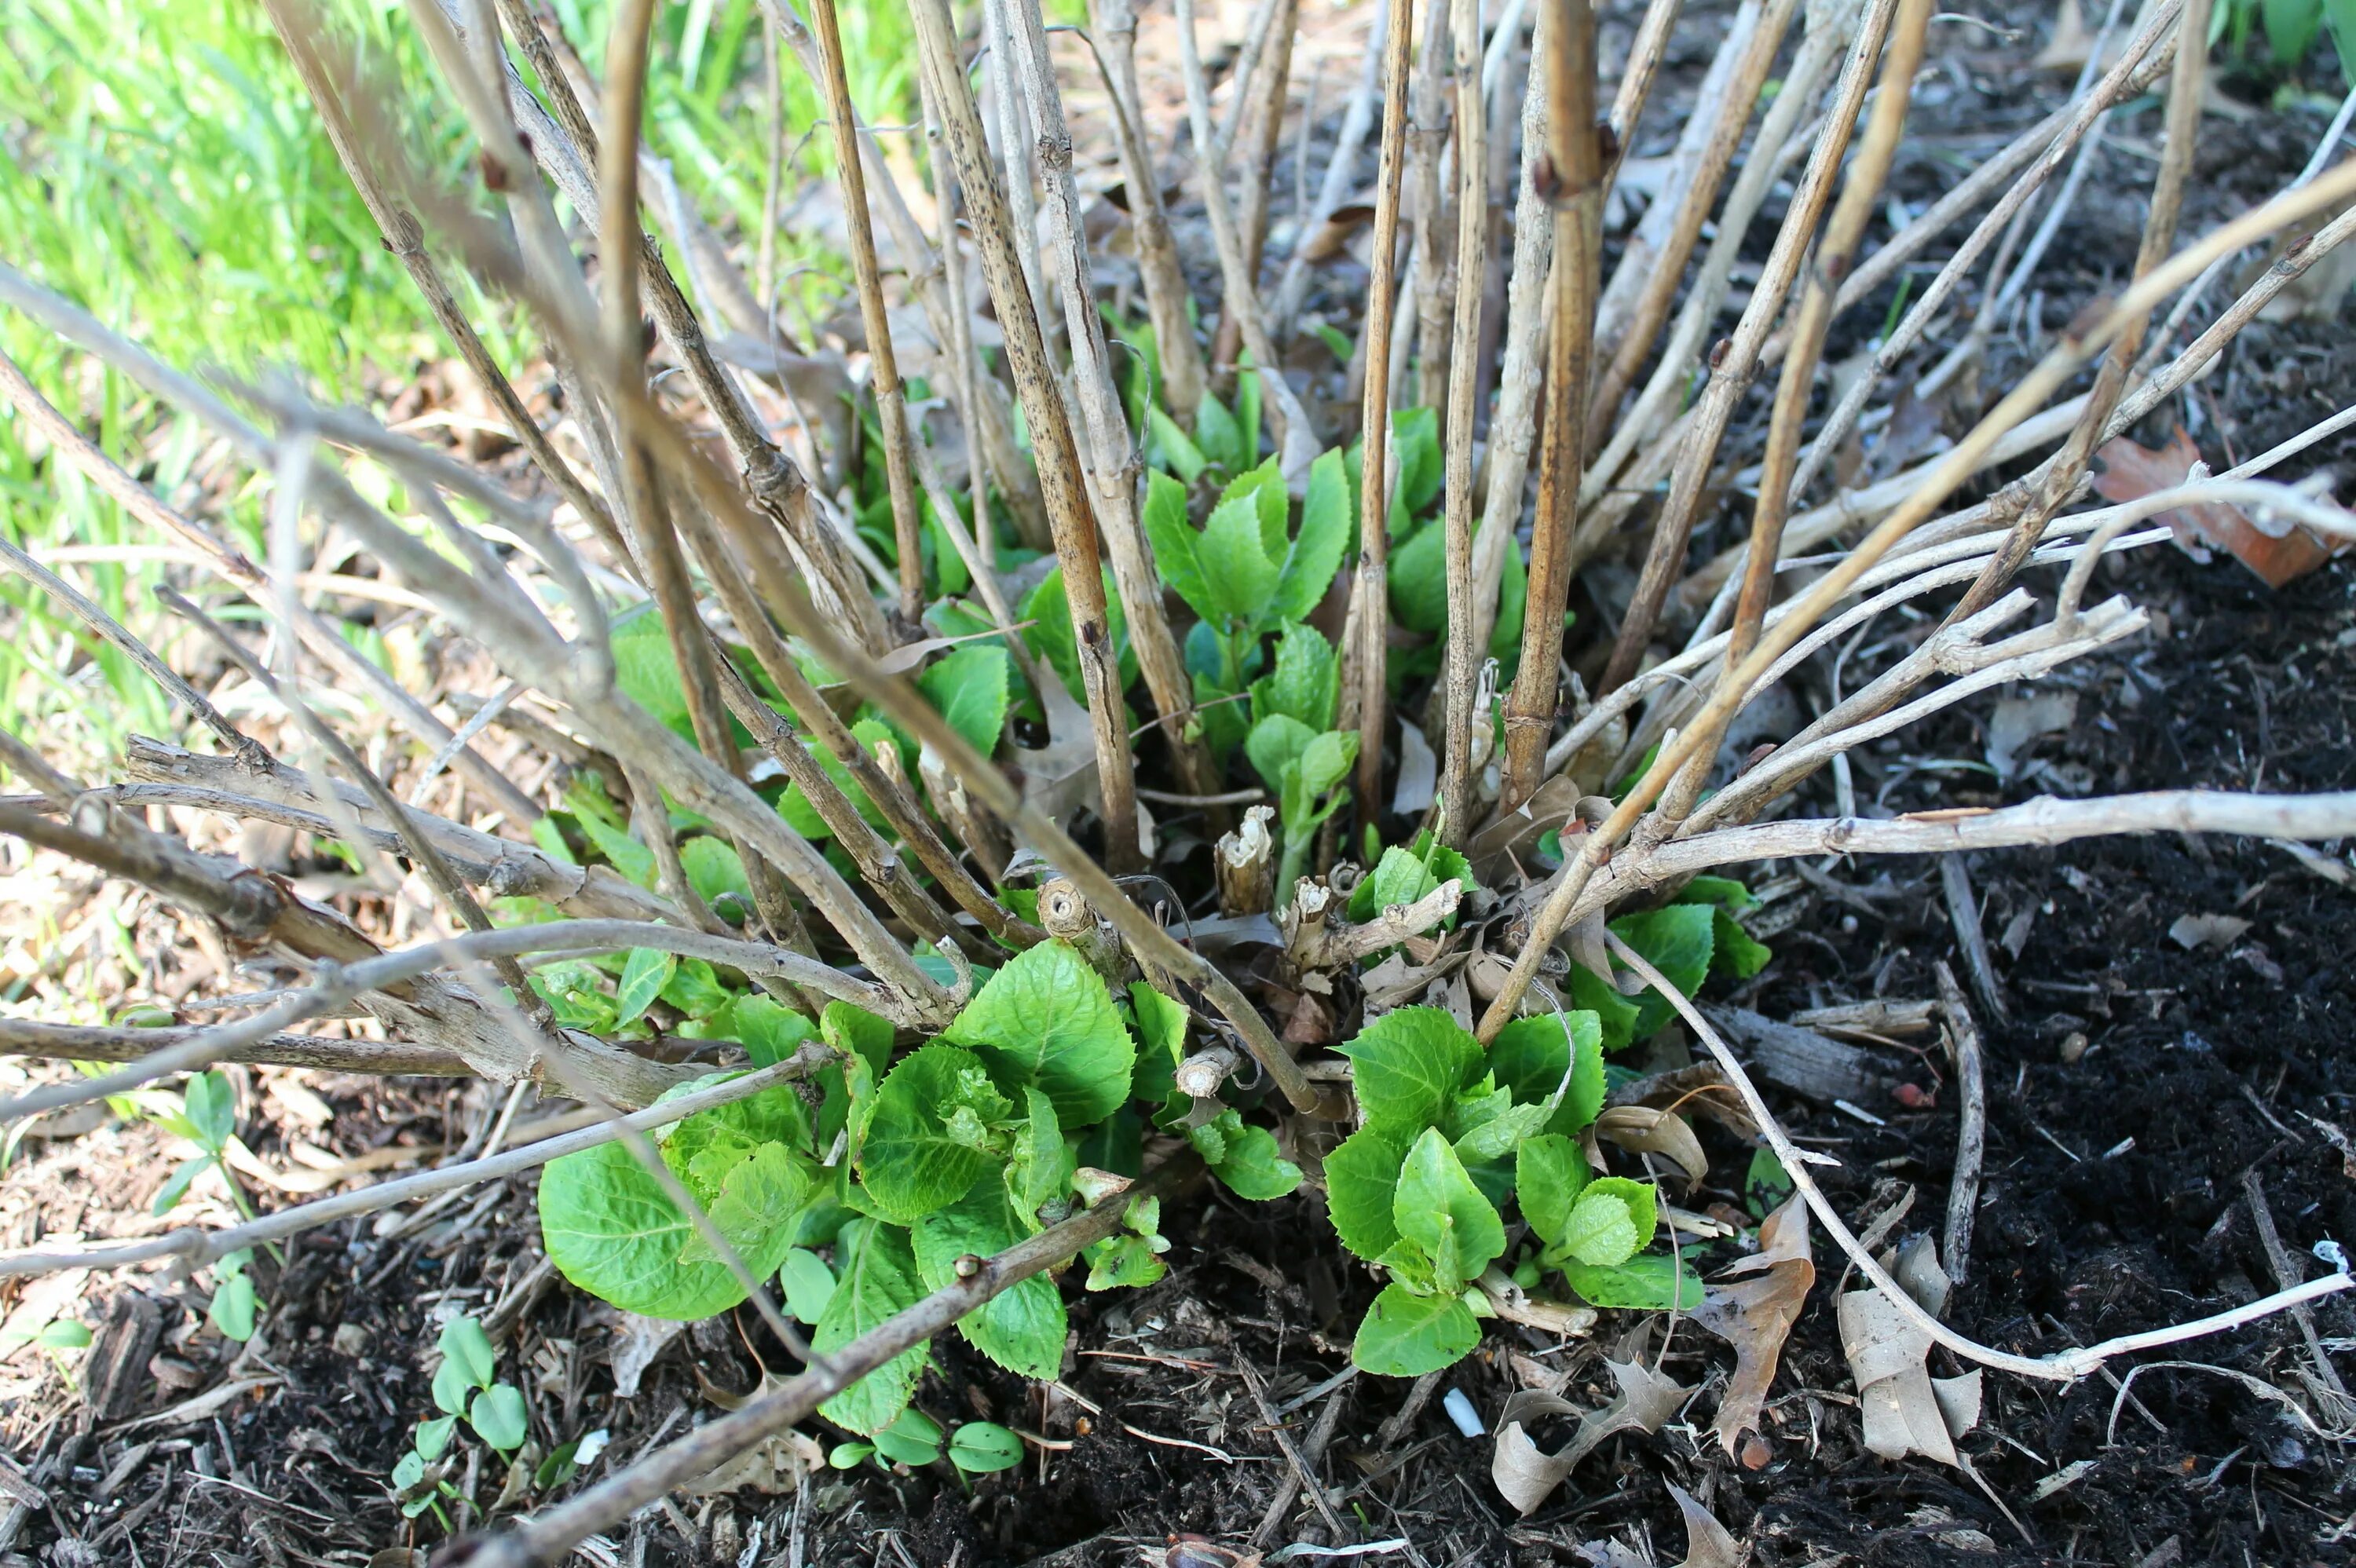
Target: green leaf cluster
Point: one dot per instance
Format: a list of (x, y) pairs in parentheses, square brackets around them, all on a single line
[(965, 1145), (1451, 1134)]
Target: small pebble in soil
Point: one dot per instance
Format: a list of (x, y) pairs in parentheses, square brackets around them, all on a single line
[(1755, 1453), (2073, 1046)]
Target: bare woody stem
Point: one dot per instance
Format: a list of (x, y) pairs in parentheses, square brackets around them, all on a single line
[(1464, 370), (1731, 373), (1835, 254), (1369, 616), (201, 1247), (890, 400), (1159, 268), (1060, 479), (1576, 165), (1112, 452)]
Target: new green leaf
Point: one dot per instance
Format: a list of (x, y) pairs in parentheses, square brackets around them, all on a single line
[(1437, 1207), (1408, 1065), (1047, 1018), (1405, 1335)]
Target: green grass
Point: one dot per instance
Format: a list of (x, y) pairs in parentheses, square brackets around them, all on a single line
[(165, 170)]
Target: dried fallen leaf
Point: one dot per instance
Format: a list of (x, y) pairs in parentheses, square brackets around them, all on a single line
[(1645, 1130), (1755, 1315), (2277, 553), (1525, 1475), (637, 1342), (775, 1463), (1906, 1410), (1060, 777), (2020, 721), (2215, 931), (1708, 1543)]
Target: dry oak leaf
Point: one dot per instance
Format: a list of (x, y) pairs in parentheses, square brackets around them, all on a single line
[(2131, 471), (1905, 1409), (1755, 1315), (1527, 1476)]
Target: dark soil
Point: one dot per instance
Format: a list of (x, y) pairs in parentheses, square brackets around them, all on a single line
[(2139, 1096)]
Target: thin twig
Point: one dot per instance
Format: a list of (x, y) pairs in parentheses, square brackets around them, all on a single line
[(551, 1535), (1058, 457), (2066, 1366), (891, 402), (1971, 1135), (2027, 394), (1462, 676)]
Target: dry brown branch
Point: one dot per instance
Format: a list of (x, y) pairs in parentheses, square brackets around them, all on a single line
[(280, 793), (2042, 149), (1164, 278), (2027, 395), (76, 1042), (1835, 254), (1576, 163), (330, 646), (1296, 435), (1657, 283), (1731, 375), (2159, 238), (1971, 1138), (1513, 421), (1113, 460), (1051, 431), (1357, 119)]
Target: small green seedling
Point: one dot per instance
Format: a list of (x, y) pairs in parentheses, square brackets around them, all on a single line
[(58, 1340), (205, 1115), (915, 1439), (465, 1387), (234, 1306)]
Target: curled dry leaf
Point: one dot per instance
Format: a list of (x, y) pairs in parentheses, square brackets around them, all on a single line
[(1905, 1409), (1527, 1476), (2276, 551), (1755, 1313), (1645, 1130), (1701, 1089)]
